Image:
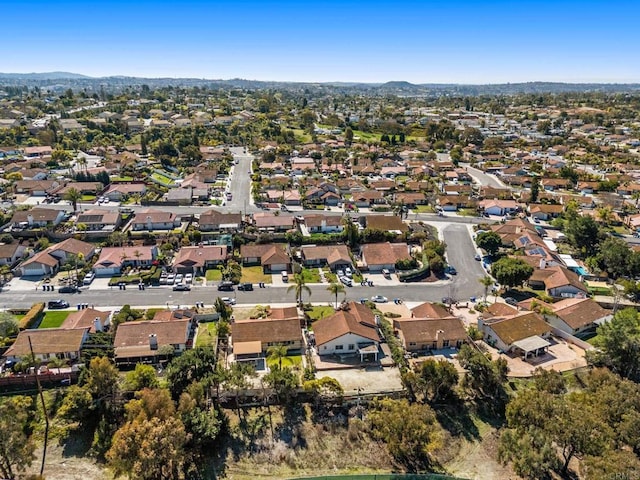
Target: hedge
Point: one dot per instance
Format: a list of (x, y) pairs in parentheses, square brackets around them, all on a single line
[(32, 316)]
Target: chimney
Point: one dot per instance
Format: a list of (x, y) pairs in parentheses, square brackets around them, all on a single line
[(543, 263), (97, 324), (153, 341), (30, 219)]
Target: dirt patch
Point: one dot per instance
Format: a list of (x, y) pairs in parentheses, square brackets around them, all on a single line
[(61, 466)]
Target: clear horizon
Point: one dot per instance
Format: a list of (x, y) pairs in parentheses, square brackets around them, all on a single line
[(464, 42)]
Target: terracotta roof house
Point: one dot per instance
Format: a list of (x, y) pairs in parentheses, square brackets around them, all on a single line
[(268, 222), (104, 221), (387, 223), (524, 334), (552, 184), (451, 203), (499, 309), (47, 261), (252, 338), (352, 331), (214, 221), (559, 282), (430, 327), (411, 199), (119, 191), (94, 320), (272, 257), (498, 207), (36, 188), (143, 341), (335, 256), (154, 220), (197, 260), (113, 259), (48, 343), (545, 211), (575, 315), (85, 188), (70, 247), (368, 198), (380, 256), (37, 217), (10, 253)]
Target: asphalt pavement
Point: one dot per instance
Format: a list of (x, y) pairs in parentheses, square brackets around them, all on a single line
[(240, 188), (484, 179)]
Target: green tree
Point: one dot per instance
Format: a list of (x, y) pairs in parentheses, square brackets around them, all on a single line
[(437, 379), (618, 343), (486, 282), (348, 136), (276, 353), (511, 272), (77, 404), (483, 378), (490, 242), (410, 431), (284, 381), (535, 189), (16, 445), (334, 289), (143, 376), (614, 257), (531, 453), (102, 380), (73, 195), (8, 325), (299, 286), (223, 310), (584, 234), (195, 365)]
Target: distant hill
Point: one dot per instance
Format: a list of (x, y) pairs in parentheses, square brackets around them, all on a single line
[(61, 80)]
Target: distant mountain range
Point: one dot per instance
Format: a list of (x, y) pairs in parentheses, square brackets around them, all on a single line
[(62, 80)]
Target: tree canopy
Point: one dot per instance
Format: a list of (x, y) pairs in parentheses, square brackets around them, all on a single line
[(511, 271)]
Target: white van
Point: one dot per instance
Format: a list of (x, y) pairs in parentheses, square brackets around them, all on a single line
[(285, 277)]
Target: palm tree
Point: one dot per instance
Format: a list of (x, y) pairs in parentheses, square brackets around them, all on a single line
[(486, 282), (299, 285), (335, 288), (277, 353), (137, 254), (73, 195)]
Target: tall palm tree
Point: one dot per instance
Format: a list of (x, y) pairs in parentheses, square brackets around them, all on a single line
[(73, 195), (277, 353), (299, 285), (486, 282), (335, 288)]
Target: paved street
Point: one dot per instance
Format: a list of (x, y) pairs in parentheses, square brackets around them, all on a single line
[(482, 178), (240, 188)]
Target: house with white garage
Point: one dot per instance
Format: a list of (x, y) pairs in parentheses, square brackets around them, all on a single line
[(150, 220), (383, 256), (575, 315), (350, 331), (113, 259)]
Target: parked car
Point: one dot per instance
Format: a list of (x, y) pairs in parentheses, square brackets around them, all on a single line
[(348, 272), (346, 281), (225, 287), (340, 273), (228, 300), (179, 278), (379, 299), (450, 270), (247, 287), (88, 278), (57, 304), (448, 300), (181, 287), (188, 278), (478, 257), (386, 273), (68, 289), (171, 278), (511, 301)]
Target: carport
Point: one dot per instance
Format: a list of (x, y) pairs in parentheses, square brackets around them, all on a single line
[(532, 345), (368, 350)]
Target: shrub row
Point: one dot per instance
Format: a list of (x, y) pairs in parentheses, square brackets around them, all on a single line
[(32, 316)]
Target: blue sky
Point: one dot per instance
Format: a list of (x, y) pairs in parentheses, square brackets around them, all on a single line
[(417, 41)]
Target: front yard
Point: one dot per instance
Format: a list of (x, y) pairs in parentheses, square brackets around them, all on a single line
[(311, 275), (53, 319), (213, 275), (254, 275), (319, 311)]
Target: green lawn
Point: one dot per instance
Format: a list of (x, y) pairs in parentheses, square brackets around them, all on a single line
[(162, 179), (288, 361), (121, 179), (320, 311), (88, 198), (311, 275), (254, 275), (213, 275), (206, 334), (423, 209), (53, 319), (468, 212)]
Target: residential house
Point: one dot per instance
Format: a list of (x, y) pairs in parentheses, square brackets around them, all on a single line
[(197, 260), (451, 203), (525, 333), (37, 217), (575, 315), (154, 220), (113, 259), (411, 199), (430, 327), (544, 211), (383, 256), (151, 341), (251, 338), (498, 207), (559, 282), (553, 184), (272, 257), (351, 331), (95, 220), (10, 253), (38, 152), (94, 320), (48, 344), (47, 261), (386, 223), (335, 256), (319, 223), (268, 222), (116, 192), (214, 221), (368, 198), (36, 188)]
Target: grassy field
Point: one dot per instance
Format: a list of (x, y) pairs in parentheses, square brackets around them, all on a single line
[(214, 275), (320, 311), (254, 275), (53, 319), (311, 275), (288, 361), (206, 334)]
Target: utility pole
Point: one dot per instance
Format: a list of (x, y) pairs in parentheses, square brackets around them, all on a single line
[(44, 411)]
